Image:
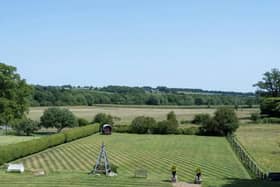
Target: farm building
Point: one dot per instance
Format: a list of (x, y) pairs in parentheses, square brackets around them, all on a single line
[(107, 129)]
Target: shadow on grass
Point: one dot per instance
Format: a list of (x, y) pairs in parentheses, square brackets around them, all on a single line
[(167, 181), (234, 182)]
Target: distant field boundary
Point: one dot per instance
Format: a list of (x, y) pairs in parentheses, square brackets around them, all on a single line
[(172, 106), (246, 159), (152, 106)]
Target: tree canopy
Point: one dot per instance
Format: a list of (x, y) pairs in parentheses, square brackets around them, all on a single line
[(14, 93), (76, 96), (270, 84), (223, 123), (58, 118)]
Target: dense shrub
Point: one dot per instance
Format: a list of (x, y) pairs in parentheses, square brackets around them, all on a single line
[(185, 121), (82, 122), (122, 128), (25, 126), (102, 119), (270, 120), (201, 119), (14, 151), (270, 106), (255, 117), (224, 122), (142, 124), (58, 118), (80, 132), (165, 127), (188, 131), (171, 116)]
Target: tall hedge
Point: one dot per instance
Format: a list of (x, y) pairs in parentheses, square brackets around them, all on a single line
[(80, 132), (18, 150)]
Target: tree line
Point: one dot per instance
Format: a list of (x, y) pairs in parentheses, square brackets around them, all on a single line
[(70, 96)]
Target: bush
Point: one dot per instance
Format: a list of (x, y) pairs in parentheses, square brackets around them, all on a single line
[(25, 126), (82, 122), (270, 106), (270, 120), (224, 122), (171, 116), (188, 131), (102, 119), (58, 118), (200, 119), (185, 121), (142, 124), (79, 132), (255, 117), (165, 127), (122, 128)]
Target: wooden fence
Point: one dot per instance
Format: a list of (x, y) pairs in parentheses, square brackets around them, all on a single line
[(245, 158)]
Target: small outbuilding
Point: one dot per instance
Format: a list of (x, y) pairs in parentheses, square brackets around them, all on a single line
[(107, 129)]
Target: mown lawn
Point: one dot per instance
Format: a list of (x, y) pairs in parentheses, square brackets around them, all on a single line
[(14, 139), (263, 144), (67, 165)]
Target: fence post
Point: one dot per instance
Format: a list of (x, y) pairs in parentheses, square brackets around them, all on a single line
[(245, 158)]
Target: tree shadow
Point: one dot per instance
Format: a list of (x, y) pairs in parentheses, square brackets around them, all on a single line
[(166, 181), (235, 182)]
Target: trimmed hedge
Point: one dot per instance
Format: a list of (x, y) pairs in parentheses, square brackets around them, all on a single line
[(18, 150), (80, 132)]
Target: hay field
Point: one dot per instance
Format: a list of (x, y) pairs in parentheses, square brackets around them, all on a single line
[(127, 114), (262, 141)]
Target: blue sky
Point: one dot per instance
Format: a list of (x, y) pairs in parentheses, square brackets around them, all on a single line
[(214, 45)]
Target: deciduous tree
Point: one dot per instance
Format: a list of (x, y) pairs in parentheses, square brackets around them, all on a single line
[(270, 83), (58, 118), (14, 93)]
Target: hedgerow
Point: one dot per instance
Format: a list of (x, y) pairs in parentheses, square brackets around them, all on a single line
[(18, 150)]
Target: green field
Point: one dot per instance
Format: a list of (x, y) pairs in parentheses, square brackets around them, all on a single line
[(128, 113), (263, 144), (14, 139), (69, 163)]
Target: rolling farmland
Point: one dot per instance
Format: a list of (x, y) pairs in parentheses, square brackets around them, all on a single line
[(128, 113)]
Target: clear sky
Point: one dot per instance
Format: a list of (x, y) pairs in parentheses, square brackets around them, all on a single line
[(214, 45)]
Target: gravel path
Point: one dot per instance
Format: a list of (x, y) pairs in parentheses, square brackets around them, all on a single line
[(184, 184)]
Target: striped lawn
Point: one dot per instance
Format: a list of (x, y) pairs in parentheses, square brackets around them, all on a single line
[(68, 164)]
